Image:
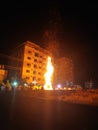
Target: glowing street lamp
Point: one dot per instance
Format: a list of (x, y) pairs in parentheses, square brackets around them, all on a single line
[(15, 83)]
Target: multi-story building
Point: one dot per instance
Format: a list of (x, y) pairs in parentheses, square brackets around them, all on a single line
[(30, 62), (63, 72)]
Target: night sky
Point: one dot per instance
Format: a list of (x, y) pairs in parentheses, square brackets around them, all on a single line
[(77, 38)]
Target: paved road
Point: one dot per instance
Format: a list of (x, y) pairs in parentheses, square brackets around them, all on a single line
[(23, 112)]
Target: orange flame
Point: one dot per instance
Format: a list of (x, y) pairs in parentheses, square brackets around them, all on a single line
[(48, 75)]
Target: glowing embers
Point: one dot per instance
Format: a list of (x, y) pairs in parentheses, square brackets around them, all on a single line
[(48, 75)]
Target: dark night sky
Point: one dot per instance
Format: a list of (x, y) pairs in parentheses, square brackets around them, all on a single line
[(27, 21)]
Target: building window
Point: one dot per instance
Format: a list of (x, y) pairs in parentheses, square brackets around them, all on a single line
[(34, 78), (1, 66), (29, 58), (35, 60), (29, 52), (40, 67), (28, 71), (35, 66), (27, 78), (40, 56), (40, 61), (39, 73), (39, 79), (34, 72), (29, 65), (36, 54)]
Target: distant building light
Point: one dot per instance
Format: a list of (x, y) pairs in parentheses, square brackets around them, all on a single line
[(25, 84), (59, 86), (15, 83), (34, 82)]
